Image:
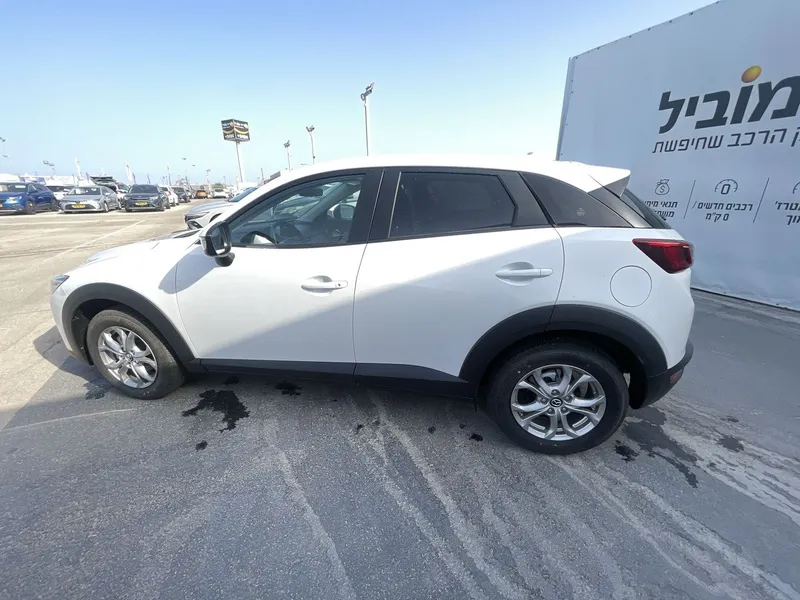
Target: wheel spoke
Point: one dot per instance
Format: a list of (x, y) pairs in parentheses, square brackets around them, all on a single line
[(526, 420), (566, 378), (147, 361), (536, 389), (110, 344), (592, 416), (141, 373), (565, 426), (585, 378), (543, 385), (130, 342), (552, 428), (586, 402)]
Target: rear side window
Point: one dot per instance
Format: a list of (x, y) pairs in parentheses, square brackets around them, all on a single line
[(569, 206), (655, 220), (441, 203)]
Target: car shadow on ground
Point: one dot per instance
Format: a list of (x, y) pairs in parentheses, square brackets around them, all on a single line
[(50, 347)]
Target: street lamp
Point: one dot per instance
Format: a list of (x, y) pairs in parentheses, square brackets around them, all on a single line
[(310, 130), (8, 158), (51, 165), (288, 154), (365, 99)]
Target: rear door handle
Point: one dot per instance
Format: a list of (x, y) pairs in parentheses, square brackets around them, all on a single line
[(322, 284), (519, 273)]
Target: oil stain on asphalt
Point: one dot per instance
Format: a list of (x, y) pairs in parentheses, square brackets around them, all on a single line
[(731, 443), (223, 401), (627, 453), (651, 438), (288, 388)]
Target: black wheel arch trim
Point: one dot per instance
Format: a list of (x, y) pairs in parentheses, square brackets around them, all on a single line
[(564, 317), (75, 322)]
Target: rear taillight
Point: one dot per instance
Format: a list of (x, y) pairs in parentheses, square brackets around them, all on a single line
[(673, 256)]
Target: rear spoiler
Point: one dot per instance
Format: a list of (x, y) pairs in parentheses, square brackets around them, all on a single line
[(613, 179)]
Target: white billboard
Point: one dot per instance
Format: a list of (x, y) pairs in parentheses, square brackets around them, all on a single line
[(704, 111)]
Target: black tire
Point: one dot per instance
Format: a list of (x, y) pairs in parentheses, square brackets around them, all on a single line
[(577, 354), (105, 207), (128, 209), (161, 207), (170, 374), (30, 208)]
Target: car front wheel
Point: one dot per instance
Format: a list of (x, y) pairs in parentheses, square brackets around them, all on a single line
[(132, 356), (559, 397)]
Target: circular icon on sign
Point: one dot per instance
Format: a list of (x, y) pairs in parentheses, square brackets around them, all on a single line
[(662, 187), (726, 186)]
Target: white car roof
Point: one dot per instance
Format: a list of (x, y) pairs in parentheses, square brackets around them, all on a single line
[(583, 176)]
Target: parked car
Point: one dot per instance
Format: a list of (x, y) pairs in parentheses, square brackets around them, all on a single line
[(59, 191), (145, 197), (182, 193), (200, 216), (90, 199), (537, 287), (220, 193), (121, 191), (201, 193), (171, 196), (27, 198)]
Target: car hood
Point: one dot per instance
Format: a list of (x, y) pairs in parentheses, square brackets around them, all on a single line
[(204, 208), (166, 244), (78, 198), (142, 196)]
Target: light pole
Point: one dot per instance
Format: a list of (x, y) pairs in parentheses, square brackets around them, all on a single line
[(51, 165), (288, 154), (365, 99), (310, 130), (8, 158)]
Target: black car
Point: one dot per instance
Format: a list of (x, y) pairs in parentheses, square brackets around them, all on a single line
[(145, 197), (183, 194)]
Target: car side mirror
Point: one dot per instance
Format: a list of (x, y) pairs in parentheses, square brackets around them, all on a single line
[(216, 243), (344, 211)]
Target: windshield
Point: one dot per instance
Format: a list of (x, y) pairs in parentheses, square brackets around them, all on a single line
[(12, 187), (178, 190), (241, 194), (56, 188), (143, 189), (85, 191)]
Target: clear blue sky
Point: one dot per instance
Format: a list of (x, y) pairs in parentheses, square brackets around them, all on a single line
[(148, 82)]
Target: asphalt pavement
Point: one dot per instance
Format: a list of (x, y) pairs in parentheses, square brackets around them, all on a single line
[(240, 487)]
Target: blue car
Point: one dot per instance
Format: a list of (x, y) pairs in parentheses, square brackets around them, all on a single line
[(26, 198)]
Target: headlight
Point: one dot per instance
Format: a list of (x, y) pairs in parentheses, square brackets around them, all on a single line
[(13, 199), (56, 282)]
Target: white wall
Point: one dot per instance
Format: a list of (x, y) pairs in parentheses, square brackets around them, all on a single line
[(739, 202)]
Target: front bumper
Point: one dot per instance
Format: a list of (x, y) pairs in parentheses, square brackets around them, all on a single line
[(143, 205), (659, 385), (12, 208), (81, 207)]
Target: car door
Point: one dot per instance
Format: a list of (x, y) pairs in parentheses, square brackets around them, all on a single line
[(44, 197), (452, 254), (34, 194), (286, 300)]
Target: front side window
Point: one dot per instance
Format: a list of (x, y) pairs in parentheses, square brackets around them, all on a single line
[(441, 203), (314, 213)]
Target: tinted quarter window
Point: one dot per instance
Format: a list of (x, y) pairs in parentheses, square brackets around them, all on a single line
[(439, 203), (569, 206)]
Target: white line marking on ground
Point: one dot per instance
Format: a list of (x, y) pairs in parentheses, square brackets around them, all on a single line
[(97, 239), (50, 421)]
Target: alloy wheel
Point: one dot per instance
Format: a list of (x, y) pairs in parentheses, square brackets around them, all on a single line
[(558, 402), (127, 357)]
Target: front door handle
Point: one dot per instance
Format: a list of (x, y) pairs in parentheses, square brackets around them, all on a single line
[(322, 285)]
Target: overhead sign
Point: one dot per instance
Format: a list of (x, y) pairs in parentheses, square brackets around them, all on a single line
[(234, 130), (712, 137)]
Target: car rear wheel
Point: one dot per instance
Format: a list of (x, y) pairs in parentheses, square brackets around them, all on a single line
[(132, 356), (559, 397)]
